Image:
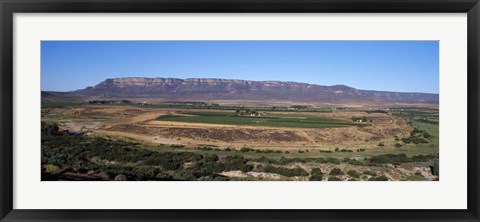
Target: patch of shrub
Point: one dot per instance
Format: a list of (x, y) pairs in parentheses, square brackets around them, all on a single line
[(246, 149), (334, 179), (336, 171), (115, 157), (435, 168), (316, 174), (399, 158), (379, 178), (316, 171), (316, 177), (370, 173), (353, 162), (346, 151), (285, 171), (415, 178), (353, 173)]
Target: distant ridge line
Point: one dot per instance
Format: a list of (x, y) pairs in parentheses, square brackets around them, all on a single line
[(237, 89)]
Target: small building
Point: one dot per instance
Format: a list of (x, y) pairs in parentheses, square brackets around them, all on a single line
[(142, 104)]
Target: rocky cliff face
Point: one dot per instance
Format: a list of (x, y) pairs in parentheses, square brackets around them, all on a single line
[(227, 89)]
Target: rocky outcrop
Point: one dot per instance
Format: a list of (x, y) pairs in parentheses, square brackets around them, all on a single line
[(234, 89)]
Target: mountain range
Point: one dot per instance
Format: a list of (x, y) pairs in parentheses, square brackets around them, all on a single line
[(232, 89)]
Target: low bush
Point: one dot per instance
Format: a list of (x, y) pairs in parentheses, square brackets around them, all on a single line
[(316, 177), (353, 173), (285, 171), (316, 171), (336, 171), (435, 168), (246, 149), (370, 173), (334, 179), (379, 178)]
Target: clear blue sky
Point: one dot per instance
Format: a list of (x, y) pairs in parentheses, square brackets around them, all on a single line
[(403, 66)]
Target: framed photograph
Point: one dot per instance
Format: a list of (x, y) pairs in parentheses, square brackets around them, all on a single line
[(239, 110)]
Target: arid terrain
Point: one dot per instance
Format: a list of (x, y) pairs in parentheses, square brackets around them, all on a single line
[(357, 142), (224, 129), (142, 124)]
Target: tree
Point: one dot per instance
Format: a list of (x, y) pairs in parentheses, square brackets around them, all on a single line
[(364, 119)]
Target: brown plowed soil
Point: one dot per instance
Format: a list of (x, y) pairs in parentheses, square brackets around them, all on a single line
[(140, 123)]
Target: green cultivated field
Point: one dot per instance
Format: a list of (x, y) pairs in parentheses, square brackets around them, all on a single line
[(273, 120)]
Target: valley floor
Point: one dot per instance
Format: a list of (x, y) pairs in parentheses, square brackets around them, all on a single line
[(216, 144)]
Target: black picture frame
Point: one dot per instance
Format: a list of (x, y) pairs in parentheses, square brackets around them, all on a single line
[(9, 7)]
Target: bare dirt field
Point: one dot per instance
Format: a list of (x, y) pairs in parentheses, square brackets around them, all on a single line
[(140, 123)]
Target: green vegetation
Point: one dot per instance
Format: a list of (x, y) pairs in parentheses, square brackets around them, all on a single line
[(189, 105), (316, 174), (50, 168), (116, 156), (283, 171), (425, 123), (415, 139), (119, 157), (353, 173), (203, 105), (435, 169), (336, 171), (379, 178), (400, 158), (49, 130), (273, 120), (415, 178), (376, 111), (334, 179)]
